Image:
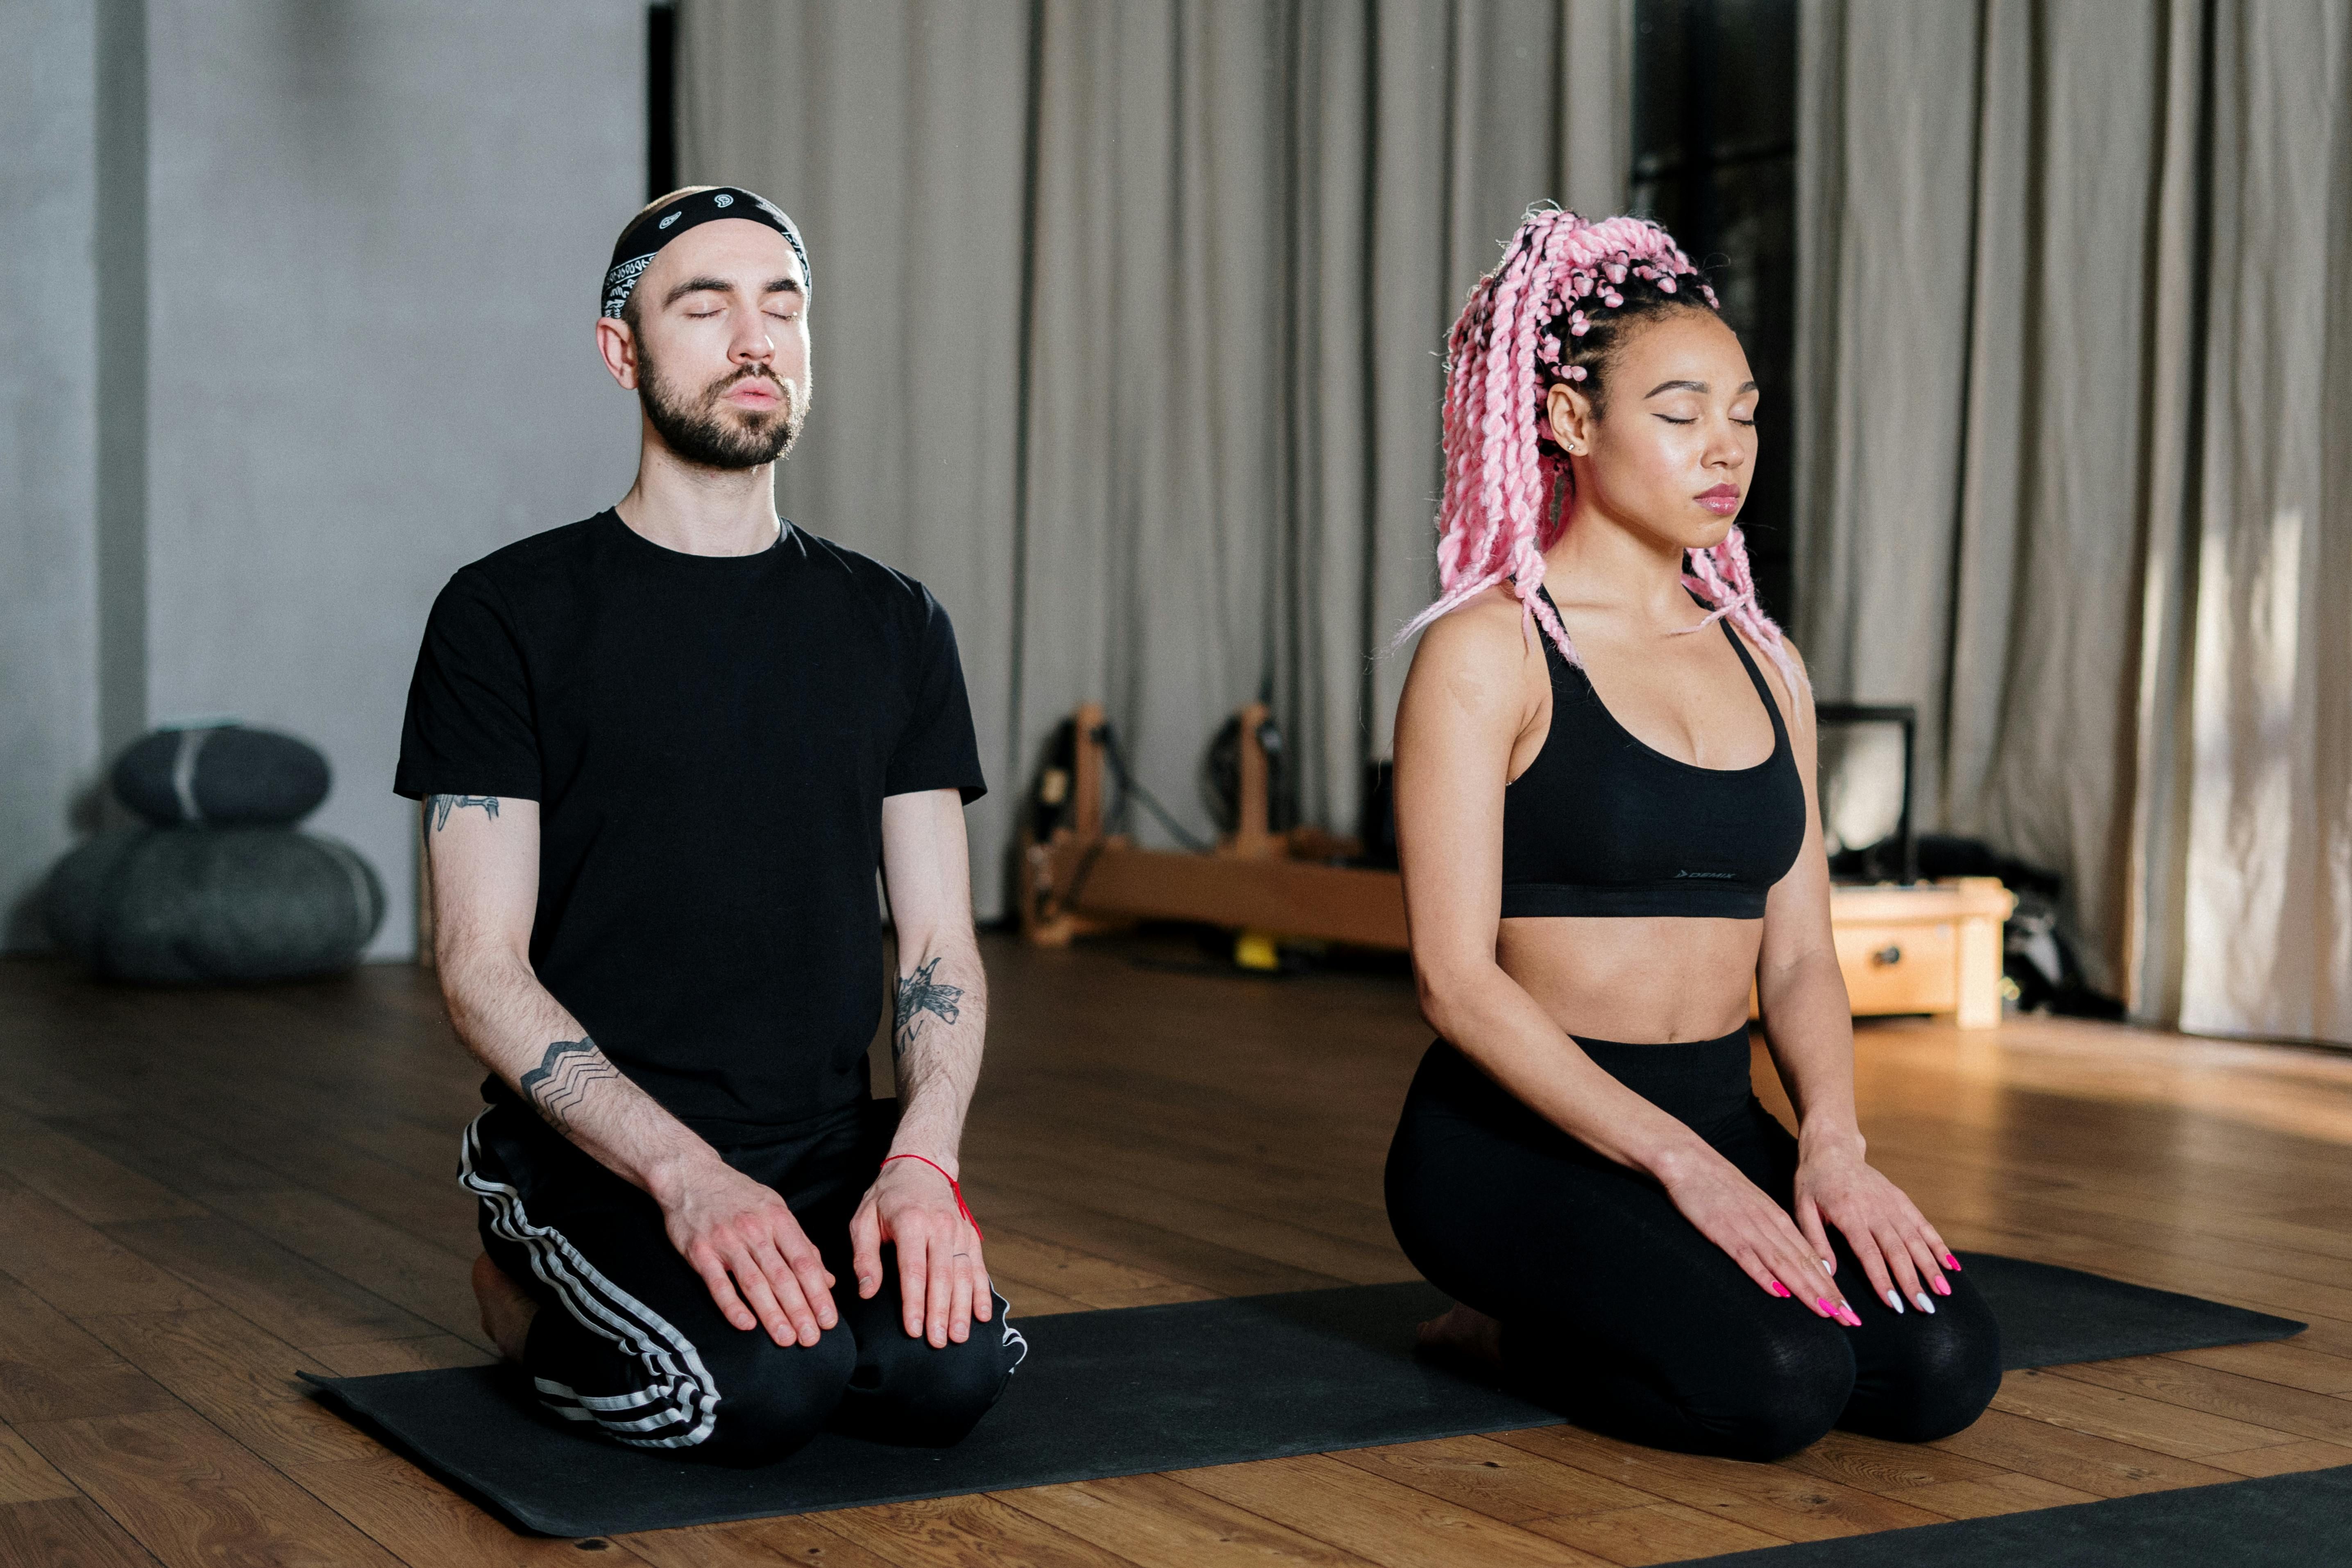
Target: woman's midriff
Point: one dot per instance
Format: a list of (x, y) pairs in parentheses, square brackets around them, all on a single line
[(1656, 979)]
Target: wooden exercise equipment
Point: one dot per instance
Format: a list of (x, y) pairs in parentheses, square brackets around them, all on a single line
[(1927, 948)]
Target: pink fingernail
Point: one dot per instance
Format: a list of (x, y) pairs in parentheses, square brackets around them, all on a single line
[(1940, 1287), (1780, 1289), (1951, 1263), (1828, 1306)]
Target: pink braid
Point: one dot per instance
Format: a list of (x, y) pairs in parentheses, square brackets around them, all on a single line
[(1504, 499)]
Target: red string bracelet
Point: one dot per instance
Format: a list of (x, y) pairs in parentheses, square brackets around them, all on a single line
[(953, 1186)]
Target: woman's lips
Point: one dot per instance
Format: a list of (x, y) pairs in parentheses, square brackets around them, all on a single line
[(1722, 501)]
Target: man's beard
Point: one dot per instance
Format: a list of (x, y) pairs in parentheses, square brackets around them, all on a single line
[(704, 431)]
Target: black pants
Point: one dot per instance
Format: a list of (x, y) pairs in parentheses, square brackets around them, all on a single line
[(628, 1341), (1619, 1314)]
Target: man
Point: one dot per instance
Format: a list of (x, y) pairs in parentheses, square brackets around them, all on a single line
[(661, 754)]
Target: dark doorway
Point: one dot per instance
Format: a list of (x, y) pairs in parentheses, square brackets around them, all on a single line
[(661, 101), (1714, 160)]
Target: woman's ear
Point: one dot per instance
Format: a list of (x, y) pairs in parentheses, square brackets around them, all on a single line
[(1572, 418)]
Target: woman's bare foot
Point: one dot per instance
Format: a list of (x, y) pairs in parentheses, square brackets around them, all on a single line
[(1464, 1335), (507, 1308)]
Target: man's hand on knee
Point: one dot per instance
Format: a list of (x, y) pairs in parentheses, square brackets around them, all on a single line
[(942, 1277), (760, 1267)]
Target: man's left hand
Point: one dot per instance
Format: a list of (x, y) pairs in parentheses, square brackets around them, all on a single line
[(944, 1281)]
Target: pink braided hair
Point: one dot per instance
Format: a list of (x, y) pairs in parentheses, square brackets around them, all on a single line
[(1507, 485)]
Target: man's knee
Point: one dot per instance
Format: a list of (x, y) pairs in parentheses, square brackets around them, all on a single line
[(775, 1398), (904, 1390)]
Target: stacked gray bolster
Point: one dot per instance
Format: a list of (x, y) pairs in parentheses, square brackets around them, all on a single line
[(221, 887)]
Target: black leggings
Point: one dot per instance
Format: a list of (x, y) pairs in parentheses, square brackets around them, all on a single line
[(629, 1345), (1619, 1314)]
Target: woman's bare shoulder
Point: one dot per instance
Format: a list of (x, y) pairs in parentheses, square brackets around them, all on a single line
[(1488, 632)]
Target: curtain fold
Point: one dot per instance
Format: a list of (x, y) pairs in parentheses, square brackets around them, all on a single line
[(1128, 324), (2068, 344)]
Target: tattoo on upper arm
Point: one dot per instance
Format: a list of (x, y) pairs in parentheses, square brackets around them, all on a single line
[(562, 1078), (443, 804), (920, 993)]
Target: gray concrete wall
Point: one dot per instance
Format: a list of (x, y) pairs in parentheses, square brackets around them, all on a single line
[(375, 232), (48, 318)]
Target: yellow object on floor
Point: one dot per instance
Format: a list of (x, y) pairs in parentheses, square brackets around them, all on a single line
[(1256, 949)]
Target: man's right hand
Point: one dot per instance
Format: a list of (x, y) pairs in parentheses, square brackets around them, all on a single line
[(761, 1268)]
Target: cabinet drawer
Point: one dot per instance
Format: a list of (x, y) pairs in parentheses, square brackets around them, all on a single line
[(1900, 968)]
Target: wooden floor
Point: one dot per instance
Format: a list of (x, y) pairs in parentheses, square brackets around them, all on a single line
[(201, 1192)]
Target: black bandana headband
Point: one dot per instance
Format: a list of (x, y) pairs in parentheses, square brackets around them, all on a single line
[(643, 240)]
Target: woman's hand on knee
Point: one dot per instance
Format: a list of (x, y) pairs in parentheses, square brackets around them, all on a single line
[(1899, 1251), (1732, 1212)]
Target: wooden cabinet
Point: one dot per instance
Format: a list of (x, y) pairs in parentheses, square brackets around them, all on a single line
[(1935, 948)]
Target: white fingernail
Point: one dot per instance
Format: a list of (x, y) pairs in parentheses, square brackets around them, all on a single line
[(1895, 1300), (1925, 1305), (1828, 1267)]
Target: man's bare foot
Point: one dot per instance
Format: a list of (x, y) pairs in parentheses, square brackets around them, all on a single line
[(1466, 1336), (507, 1308)]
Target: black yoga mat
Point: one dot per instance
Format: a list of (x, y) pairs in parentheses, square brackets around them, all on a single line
[(1140, 1389), (2280, 1522)]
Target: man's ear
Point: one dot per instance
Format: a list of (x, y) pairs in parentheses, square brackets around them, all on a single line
[(619, 344), (1569, 413)]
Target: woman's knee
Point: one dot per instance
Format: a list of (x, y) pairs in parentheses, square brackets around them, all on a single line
[(1784, 1394), (1943, 1375)]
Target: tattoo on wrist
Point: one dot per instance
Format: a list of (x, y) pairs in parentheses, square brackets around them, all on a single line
[(920, 993), (443, 804), (562, 1078)]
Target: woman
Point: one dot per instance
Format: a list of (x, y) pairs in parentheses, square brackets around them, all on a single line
[(1604, 771)]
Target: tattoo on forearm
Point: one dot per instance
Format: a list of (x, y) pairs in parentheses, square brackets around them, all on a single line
[(563, 1078), (920, 993), (443, 804)]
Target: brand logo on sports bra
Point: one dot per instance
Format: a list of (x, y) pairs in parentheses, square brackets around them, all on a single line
[(1710, 875)]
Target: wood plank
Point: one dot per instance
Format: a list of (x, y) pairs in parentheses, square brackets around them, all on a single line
[(1152, 1296), (2003, 1494), (1654, 1532), (2281, 1361), (1775, 1499), (1214, 1266), (757, 1543), (418, 1276), (81, 1181), (2283, 1459), (1889, 1469), (424, 1522), (1396, 1526), (2106, 1409), (66, 1533), (192, 1496), (79, 1268), (24, 1476), (1493, 1478), (2099, 1465), (237, 1376), (51, 1370), (965, 1533), (1157, 1521), (370, 1358), (1017, 1256), (291, 1297), (2223, 1394)]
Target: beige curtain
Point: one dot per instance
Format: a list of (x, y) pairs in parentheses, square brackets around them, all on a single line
[(1128, 319), (2069, 345)]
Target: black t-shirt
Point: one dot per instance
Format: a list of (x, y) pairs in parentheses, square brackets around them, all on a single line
[(710, 740)]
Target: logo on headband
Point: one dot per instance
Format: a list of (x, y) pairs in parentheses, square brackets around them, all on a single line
[(668, 221), (722, 200)]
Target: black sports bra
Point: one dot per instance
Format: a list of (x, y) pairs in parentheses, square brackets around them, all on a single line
[(1601, 824)]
